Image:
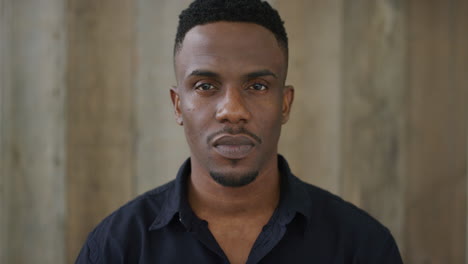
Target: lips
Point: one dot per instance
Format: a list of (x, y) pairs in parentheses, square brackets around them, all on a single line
[(233, 147)]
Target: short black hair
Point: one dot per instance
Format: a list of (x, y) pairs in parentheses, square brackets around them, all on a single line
[(259, 12)]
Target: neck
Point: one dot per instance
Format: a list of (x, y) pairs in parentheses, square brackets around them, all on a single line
[(208, 198)]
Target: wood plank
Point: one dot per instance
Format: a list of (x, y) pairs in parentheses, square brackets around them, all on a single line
[(160, 146), (33, 129), (100, 73), (460, 22), (436, 190), (311, 139), (5, 99), (373, 109)]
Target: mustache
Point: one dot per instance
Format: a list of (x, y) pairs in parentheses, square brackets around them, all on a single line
[(233, 131)]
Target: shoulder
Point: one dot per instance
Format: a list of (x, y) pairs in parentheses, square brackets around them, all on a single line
[(123, 228), (361, 235), (142, 209), (337, 211)]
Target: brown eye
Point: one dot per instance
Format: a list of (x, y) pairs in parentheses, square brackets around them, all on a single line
[(205, 87), (258, 87)]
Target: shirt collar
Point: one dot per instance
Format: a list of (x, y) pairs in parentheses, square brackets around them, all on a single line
[(294, 198), (176, 199)]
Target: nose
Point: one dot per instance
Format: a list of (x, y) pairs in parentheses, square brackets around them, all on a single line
[(232, 107)]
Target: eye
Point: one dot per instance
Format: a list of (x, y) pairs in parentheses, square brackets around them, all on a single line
[(258, 87), (205, 87)]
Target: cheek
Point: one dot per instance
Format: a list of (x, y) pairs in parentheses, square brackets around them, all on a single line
[(196, 120), (268, 118), (269, 109)]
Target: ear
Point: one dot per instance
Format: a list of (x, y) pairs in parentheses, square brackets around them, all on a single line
[(288, 98), (176, 103)]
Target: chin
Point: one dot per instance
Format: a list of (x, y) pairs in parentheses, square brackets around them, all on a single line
[(234, 179)]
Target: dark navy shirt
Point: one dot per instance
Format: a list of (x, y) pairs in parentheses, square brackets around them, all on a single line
[(310, 225)]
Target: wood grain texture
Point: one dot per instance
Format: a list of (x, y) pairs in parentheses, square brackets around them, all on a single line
[(461, 81), (100, 98), (310, 140), (33, 128), (160, 146), (436, 190), (5, 98), (373, 109)]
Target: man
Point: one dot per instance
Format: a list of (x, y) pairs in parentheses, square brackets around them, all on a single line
[(235, 200)]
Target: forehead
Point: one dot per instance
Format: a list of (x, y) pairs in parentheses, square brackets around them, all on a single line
[(230, 46)]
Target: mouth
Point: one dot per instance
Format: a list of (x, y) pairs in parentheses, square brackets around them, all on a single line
[(233, 147)]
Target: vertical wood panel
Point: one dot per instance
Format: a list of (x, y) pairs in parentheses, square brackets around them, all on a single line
[(310, 140), (33, 125), (100, 71), (160, 142), (461, 81), (436, 190), (5, 83), (373, 109)]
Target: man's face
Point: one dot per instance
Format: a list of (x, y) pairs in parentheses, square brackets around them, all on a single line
[(231, 99)]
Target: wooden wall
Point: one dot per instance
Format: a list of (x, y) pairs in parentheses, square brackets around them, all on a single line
[(33, 123), (437, 120), (86, 123)]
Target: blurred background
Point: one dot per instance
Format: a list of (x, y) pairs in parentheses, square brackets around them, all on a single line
[(86, 122)]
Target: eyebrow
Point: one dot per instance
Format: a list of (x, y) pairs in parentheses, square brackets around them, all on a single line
[(204, 73), (251, 75), (261, 73)]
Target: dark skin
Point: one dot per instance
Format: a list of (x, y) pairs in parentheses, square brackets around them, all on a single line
[(231, 99)]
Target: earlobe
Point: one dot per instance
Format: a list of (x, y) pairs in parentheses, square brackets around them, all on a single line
[(176, 104), (288, 98)]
